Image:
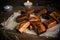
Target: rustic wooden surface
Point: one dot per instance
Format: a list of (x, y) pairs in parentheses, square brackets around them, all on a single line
[(14, 35)]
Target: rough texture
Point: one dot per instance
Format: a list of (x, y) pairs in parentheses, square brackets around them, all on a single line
[(13, 35)]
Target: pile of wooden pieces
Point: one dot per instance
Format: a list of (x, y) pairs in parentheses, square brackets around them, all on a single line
[(34, 22)]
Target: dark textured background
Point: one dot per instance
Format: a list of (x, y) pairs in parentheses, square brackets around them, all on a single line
[(48, 3), (54, 3)]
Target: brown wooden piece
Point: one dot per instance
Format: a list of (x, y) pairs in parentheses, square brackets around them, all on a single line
[(50, 23), (22, 27), (43, 11), (39, 27), (55, 16), (31, 27), (21, 18)]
